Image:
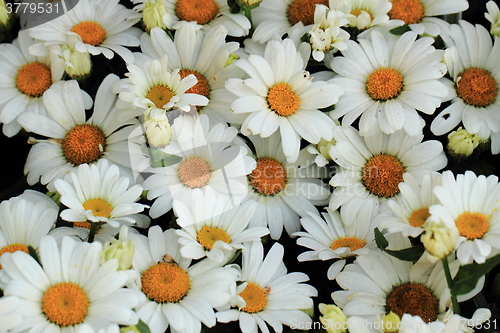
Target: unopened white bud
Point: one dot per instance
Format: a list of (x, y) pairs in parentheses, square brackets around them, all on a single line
[(122, 249), (334, 319)]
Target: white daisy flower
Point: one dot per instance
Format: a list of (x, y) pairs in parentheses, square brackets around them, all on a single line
[(472, 203), (388, 80), (73, 140), (178, 295), (10, 314), (210, 157), (268, 295), (205, 55), (280, 93), (97, 193), (476, 77), (284, 191), (103, 27), (371, 167), (409, 213), (24, 79), (70, 291), (210, 229), (337, 236)]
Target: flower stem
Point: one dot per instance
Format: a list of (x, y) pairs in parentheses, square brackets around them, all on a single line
[(446, 267), (248, 14), (93, 229)]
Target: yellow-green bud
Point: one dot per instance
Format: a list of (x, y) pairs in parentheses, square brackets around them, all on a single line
[(390, 322), (122, 250), (6, 16), (461, 143), (248, 4), (324, 148), (158, 131), (231, 59), (77, 64), (439, 239), (309, 312), (333, 320), (153, 13), (129, 329)]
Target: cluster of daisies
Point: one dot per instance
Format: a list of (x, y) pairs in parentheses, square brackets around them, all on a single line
[(169, 188)]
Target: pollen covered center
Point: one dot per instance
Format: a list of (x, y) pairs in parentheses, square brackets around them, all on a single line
[(194, 172), (11, 248), (33, 79), (207, 236), (65, 304), (160, 95), (477, 87), (201, 11), (384, 84), (418, 217), (472, 225), (382, 175), (303, 11), (410, 11), (353, 243), (165, 282), (415, 299), (91, 32), (99, 207), (255, 298), (83, 144), (269, 177), (200, 88), (283, 100)]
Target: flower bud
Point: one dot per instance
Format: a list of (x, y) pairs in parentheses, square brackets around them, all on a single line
[(333, 320), (390, 323), (493, 15), (231, 59), (6, 16), (122, 250), (461, 143), (153, 13), (77, 64), (129, 329), (248, 4), (158, 131), (439, 239)]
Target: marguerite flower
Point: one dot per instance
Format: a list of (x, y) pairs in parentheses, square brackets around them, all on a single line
[(476, 77), (178, 295), (388, 80), (280, 93), (70, 290), (268, 295)]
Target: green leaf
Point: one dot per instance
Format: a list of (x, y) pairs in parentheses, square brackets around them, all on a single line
[(158, 159), (32, 252), (468, 275), (382, 243), (400, 30), (142, 327), (409, 254)]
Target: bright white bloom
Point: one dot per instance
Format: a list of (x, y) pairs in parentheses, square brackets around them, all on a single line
[(178, 295), (69, 289), (476, 79), (387, 79), (281, 94), (268, 295), (493, 15)]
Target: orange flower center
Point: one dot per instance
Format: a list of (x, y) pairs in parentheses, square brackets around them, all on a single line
[(207, 236), (384, 84), (83, 144), (200, 88), (283, 100), (303, 11), (201, 11), (418, 217), (165, 282), (477, 87), (255, 298), (85, 225), (409, 11), (472, 225), (91, 32), (415, 299), (194, 172), (353, 243), (269, 177), (33, 79), (99, 207), (65, 304), (160, 95), (382, 175), (13, 248)]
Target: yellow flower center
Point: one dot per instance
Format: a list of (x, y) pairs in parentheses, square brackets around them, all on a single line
[(83, 144), (415, 299), (303, 11), (353, 243), (269, 177), (200, 88), (99, 207), (418, 217), (165, 282), (91, 32), (207, 236), (11, 248), (384, 84), (410, 11), (160, 95), (283, 100), (65, 304), (194, 172), (33, 79), (255, 298), (382, 175), (472, 225), (477, 87), (201, 11), (357, 12)]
